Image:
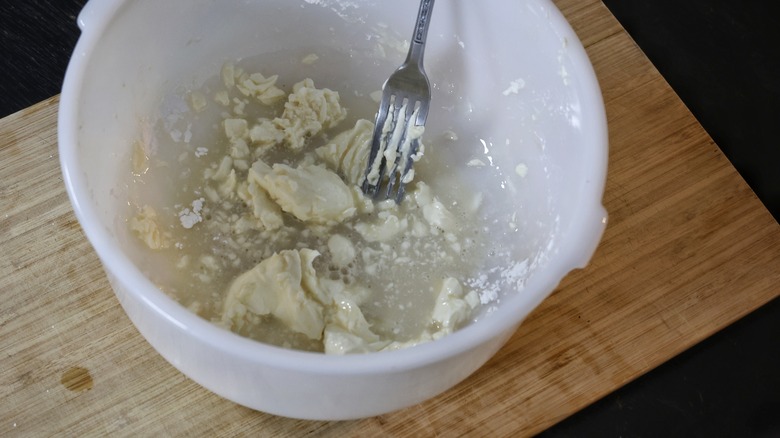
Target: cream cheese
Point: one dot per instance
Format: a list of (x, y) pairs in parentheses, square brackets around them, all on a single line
[(311, 193), (279, 229)]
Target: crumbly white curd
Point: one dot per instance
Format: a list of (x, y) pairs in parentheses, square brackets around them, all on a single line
[(262, 229)]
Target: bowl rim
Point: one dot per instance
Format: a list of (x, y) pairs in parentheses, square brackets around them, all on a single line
[(511, 312)]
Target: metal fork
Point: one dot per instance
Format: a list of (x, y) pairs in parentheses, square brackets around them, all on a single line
[(406, 97)]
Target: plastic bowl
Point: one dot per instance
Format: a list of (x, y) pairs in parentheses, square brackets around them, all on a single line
[(510, 75)]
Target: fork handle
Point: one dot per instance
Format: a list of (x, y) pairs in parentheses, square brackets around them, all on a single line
[(417, 48)]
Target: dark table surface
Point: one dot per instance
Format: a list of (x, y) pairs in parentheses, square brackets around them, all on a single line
[(722, 57)]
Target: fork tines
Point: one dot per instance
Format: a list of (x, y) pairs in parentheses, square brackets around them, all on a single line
[(395, 145)]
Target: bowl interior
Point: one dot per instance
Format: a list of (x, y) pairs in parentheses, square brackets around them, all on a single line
[(510, 80)]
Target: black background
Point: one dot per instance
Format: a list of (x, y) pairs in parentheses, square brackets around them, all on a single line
[(722, 57)]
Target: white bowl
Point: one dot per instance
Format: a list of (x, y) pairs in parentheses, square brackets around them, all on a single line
[(512, 73)]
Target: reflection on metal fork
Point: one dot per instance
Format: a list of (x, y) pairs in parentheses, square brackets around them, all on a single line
[(400, 121)]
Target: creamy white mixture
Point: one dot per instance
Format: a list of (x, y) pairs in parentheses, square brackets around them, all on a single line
[(251, 202)]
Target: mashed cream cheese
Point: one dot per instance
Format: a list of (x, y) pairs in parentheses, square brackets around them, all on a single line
[(285, 247)]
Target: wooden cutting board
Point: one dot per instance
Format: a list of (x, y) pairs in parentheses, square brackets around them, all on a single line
[(688, 250)]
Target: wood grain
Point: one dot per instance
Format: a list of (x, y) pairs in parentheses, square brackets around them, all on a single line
[(688, 250)]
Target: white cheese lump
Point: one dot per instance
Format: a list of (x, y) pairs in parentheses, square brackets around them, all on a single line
[(311, 193), (269, 235), (307, 112), (348, 152), (287, 287)]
